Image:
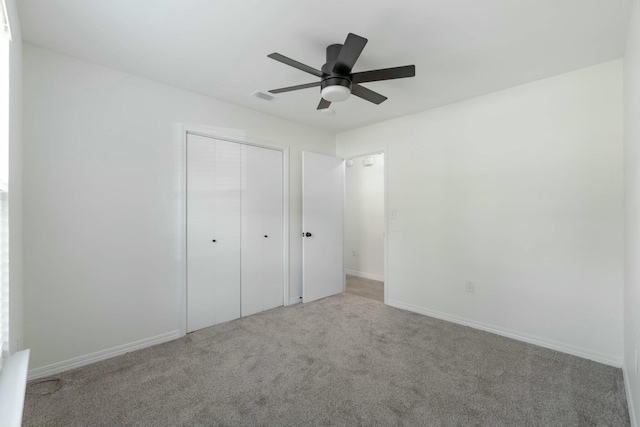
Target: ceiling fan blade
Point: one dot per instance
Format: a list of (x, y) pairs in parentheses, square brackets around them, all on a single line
[(367, 94), (351, 50), (384, 74), (323, 104), (298, 87), (295, 64)]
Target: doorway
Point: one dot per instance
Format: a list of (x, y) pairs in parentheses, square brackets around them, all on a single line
[(365, 226)]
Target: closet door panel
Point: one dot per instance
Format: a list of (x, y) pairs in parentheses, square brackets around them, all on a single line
[(201, 160), (252, 230), (227, 230), (272, 222), (234, 231)]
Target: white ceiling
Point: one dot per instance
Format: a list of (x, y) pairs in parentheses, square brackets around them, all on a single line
[(461, 48)]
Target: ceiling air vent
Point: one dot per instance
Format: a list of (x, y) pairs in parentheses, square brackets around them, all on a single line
[(263, 95)]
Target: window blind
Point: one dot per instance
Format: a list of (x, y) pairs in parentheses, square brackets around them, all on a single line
[(5, 37), (4, 275), (4, 20)]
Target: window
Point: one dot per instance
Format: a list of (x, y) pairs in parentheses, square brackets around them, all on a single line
[(5, 38)]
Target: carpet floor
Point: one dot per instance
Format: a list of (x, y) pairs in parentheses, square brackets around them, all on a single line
[(367, 288), (340, 361)]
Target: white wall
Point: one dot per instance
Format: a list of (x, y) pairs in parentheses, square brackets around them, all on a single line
[(364, 218), (15, 182), (101, 201), (632, 210), (519, 191)]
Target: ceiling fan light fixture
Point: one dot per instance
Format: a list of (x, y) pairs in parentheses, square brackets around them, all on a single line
[(335, 93)]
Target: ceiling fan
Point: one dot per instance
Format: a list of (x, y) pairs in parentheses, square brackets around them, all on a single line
[(337, 81)]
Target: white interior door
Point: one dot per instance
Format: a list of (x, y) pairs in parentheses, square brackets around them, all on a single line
[(213, 231), (262, 229), (322, 224)]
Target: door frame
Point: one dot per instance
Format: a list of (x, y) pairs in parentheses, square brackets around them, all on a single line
[(181, 131), (383, 151)]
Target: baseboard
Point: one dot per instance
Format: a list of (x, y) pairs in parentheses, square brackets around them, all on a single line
[(531, 339), (365, 275), (295, 300), (627, 388), (87, 359)]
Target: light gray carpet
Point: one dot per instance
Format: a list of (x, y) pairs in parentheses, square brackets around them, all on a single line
[(365, 287), (341, 361)]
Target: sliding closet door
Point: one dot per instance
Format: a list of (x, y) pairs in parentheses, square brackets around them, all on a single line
[(252, 233), (262, 230), (201, 161), (273, 226), (213, 231), (228, 222)]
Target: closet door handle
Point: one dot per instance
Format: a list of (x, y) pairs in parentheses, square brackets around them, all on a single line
[(214, 240), (307, 234), (266, 235)]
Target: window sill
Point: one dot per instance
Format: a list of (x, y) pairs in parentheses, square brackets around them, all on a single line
[(13, 382)]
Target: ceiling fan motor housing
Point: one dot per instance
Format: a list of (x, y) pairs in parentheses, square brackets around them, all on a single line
[(329, 76)]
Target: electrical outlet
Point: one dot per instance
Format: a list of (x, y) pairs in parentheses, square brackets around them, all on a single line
[(470, 286), (394, 215)]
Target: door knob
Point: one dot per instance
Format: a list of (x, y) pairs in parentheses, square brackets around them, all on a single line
[(213, 240), (266, 235), (307, 234)]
